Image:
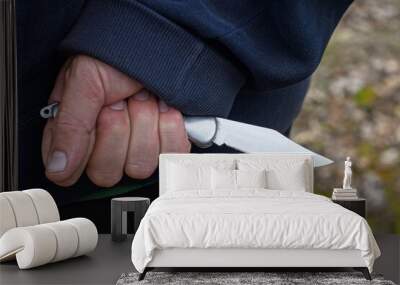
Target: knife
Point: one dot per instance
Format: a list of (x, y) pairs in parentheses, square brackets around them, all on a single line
[(205, 131)]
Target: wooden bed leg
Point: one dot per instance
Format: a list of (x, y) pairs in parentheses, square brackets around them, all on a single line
[(143, 274), (364, 271)]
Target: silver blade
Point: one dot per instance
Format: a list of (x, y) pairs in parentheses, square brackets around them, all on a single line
[(249, 138), (245, 138)]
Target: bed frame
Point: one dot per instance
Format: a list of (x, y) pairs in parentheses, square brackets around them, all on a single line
[(249, 258), (243, 259)]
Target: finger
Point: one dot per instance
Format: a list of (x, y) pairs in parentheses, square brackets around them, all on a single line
[(87, 85), (78, 172), (81, 99), (117, 85), (106, 164), (173, 137), (144, 147)]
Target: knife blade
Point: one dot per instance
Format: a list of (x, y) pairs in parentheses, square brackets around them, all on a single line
[(204, 131)]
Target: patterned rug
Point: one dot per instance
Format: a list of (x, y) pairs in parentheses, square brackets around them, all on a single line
[(243, 278)]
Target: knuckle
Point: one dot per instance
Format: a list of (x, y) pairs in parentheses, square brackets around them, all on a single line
[(175, 116), (142, 116), (77, 64), (168, 127), (139, 169), (103, 178), (108, 120), (83, 69), (81, 61), (172, 144), (171, 122), (94, 92), (142, 110), (105, 120)]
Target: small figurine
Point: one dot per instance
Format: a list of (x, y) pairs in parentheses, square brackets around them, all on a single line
[(347, 174)]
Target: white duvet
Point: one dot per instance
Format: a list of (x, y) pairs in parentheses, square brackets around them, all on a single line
[(250, 219)]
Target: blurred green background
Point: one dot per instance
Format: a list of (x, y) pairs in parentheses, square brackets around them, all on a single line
[(353, 109)]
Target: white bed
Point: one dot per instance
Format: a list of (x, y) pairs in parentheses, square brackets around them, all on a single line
[(248, 227)]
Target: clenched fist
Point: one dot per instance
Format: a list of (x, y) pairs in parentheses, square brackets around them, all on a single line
[(107, 124)]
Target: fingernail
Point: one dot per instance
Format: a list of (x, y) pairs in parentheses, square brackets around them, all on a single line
[(162, 106), (119, 106), (57, 162), (141, 96)]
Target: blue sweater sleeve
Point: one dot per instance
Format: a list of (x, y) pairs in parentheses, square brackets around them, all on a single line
[(170, 61), (201, 56), (277, 43)]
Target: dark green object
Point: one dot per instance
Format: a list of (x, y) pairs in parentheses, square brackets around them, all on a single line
[(117, 190)]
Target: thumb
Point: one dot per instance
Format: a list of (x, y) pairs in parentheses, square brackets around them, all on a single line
[(88, 86)]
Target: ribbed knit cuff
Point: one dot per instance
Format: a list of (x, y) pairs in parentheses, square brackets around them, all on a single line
[(169, 61)]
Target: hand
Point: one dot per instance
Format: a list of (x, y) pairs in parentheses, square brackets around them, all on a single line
[(108, 124)]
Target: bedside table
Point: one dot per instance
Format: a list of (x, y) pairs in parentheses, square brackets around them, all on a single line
[(358, 206), (119, 208)]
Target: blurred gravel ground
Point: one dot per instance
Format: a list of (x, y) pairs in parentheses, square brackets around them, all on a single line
[(353, 109)]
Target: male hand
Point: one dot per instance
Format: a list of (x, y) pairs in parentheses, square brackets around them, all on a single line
[(108, 124)]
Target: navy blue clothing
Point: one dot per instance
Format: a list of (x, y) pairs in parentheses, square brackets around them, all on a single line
[(198, 55), (250, 61)]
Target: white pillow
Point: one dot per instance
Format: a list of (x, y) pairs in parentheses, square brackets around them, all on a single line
[(251, 178), (230, 180), (190, 174), (186, 178), (293, 179), (223, 179), (282, 174)]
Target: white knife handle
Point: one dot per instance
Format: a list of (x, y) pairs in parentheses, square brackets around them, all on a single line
[(201, 130)]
